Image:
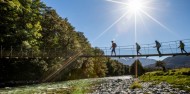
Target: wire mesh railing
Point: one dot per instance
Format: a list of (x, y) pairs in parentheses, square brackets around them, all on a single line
[(171, 47), (22, 52)]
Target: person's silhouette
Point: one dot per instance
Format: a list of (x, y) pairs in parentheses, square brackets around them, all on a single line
[(114, 45), (138, 47), (158, 45), (182, 46)]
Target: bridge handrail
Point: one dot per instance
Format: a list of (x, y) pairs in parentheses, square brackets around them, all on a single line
[(21, 51)]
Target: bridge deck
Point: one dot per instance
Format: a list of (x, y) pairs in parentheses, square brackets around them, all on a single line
[(87, 56)]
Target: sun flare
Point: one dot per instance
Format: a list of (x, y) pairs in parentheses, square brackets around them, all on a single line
[(136, 12), (139, 9), (134, 6)]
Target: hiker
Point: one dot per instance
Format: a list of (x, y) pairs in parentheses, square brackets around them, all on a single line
[(114, 45), (181, 46), (138, 47), (158, 45)]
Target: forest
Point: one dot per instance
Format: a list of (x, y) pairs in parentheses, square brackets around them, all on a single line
[(32, 25)]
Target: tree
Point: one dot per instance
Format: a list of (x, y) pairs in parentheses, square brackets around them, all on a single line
[(35, 27), (20, 23), (116, 68), (126, 68), (139, 66), (161, 64)]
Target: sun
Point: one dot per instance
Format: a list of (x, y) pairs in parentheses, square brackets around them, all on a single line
[(134, 6), (137, 9)]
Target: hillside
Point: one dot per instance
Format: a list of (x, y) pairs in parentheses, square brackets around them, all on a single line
[(175, 62)]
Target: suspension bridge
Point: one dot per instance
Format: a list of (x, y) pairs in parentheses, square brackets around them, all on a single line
[(170, 48)]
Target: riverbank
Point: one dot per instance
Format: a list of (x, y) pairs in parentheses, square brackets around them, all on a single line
[(66, 87), (134, 86), (107, 85), (178, 78)]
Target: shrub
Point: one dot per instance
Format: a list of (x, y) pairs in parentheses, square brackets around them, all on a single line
[(135, 85), (159, 73), (173, 70), (186, 73), (179, 73), (172, 73)]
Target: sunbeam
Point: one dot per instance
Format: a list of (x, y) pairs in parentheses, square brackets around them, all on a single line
[(116, 2), (135, 27), (143, 21), (110, 27), (135, 8), (156, 20)]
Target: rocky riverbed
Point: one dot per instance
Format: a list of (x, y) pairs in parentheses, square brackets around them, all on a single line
[(107, 85), (123, 86)]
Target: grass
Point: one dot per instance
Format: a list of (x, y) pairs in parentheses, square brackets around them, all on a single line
[(135, 85), (67, 87), (179, 78)]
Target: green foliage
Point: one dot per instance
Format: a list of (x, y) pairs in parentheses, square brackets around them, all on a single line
[(161, 64), (66, 87), (115, 68), (20, 21), (23, 70), (186, 73), (174, 77), (135, 85), (140, 68), (33, 26)]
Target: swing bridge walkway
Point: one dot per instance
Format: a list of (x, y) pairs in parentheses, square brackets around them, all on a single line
[(170, 48)]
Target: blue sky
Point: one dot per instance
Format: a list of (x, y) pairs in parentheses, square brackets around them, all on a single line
[(166, 20), (94, 16)]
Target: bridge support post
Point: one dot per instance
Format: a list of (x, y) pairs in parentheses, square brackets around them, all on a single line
[(136, 69)]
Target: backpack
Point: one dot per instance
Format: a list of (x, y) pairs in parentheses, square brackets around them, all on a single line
[(114, 45), (182, 45), (158, 44), (138, 47)]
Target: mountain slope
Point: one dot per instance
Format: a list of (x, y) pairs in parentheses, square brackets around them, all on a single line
[(175, 62), (144, 61)]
